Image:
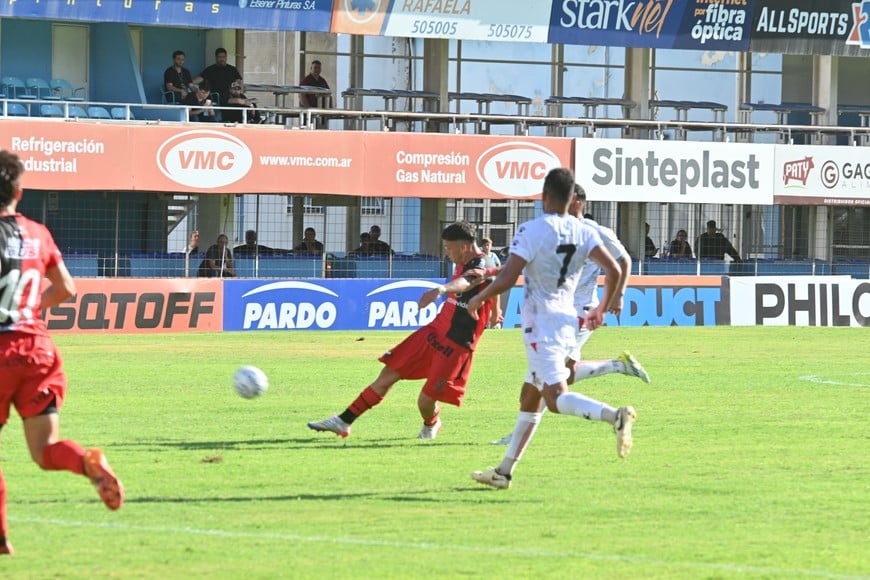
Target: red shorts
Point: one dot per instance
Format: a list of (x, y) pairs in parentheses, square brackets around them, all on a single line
[(32, 374), (426, 355)]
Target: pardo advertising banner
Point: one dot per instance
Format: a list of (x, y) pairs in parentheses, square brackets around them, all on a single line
[(674, 171), (327, 304), (800, 301), (823, 27), (810, 175), (303, 15), (681, 24), (127, 306), (509, 20), (72, 156)]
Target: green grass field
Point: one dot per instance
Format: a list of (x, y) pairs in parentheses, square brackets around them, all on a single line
[(750, 460)]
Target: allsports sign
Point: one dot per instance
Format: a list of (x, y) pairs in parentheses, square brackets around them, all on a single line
[(64, 156), (828, 27), (674, 171)]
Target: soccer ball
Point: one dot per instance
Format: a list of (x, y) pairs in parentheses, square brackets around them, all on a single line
[(250, 382)]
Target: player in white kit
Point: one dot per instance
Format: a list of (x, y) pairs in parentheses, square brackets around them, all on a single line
[(586, 298), (550, 251)]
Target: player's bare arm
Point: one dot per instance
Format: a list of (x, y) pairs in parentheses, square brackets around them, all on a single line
[(602, 257), (62, 286), (624, 263), (467, 281), (505, 280)]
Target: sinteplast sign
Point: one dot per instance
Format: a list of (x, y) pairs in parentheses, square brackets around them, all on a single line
[(675, 171)]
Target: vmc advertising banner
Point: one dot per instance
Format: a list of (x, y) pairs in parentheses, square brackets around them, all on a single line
[(88, 156)]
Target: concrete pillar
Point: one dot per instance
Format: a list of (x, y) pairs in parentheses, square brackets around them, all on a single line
[(825, 94)]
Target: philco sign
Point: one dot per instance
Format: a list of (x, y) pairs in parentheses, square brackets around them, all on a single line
[(204, 159)]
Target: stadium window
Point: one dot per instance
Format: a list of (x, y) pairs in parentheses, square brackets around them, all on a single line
[(307, 206), (372, 206)]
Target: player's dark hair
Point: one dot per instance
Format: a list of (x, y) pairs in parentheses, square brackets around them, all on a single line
[(203, 85), (11, 169), (559, 184), (579, 192), (459, 231), (220, 50), (178, 53)]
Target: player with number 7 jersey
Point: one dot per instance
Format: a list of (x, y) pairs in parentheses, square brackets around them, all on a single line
[(550, 251), (32, 374)]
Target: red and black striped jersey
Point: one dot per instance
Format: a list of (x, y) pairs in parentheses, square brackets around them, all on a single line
[(454, 321), (27, 251)]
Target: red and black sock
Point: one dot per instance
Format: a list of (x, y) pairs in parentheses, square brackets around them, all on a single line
[(365, 401)]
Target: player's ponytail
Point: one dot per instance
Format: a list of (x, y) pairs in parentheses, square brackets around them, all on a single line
[(11, 169)]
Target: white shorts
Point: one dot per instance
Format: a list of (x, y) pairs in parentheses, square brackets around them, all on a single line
[(582, 336), (546, 362), (549, 338)]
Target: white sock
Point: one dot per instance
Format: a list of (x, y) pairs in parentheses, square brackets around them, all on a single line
[(596, 368), (524, 429), (577, 404)]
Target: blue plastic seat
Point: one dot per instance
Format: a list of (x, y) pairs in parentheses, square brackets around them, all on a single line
[(41, 89), (15, 88), (50, 111), (120, 113), (77, 111), (97, 112), (63, 89), (17, 110)]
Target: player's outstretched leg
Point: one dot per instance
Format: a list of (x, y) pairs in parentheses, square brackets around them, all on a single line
[(98, 471), (492, 478), (334, 424), (633, 367), (625, 417)]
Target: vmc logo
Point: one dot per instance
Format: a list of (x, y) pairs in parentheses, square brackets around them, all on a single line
[(516, 169), (204, 159)]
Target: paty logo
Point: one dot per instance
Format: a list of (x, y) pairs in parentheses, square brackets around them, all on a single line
[(204, 159), (516, 169), (798, 170)]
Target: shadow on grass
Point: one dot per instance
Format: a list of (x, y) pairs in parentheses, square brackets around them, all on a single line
[(313, 442)]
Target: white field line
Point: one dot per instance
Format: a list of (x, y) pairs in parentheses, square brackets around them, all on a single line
[(825, 381), (445, 548)]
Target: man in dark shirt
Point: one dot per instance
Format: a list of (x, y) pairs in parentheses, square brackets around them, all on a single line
[(712, 244), (251, 247), (378, 247), (309, 246), (313, 79), (220, 76), (239, 100), (202, 111), (176, 79)]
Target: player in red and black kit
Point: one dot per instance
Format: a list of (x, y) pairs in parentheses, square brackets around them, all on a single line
[(32, 373), (440, 352)]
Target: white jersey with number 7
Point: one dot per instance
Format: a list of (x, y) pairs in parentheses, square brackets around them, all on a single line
[(554, 247)]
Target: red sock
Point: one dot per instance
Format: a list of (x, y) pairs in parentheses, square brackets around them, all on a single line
[(434, 418), (4, 530), (365, 401), (64, 455)]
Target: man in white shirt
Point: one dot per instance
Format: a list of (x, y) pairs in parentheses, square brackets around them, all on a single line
[(550, 251)]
